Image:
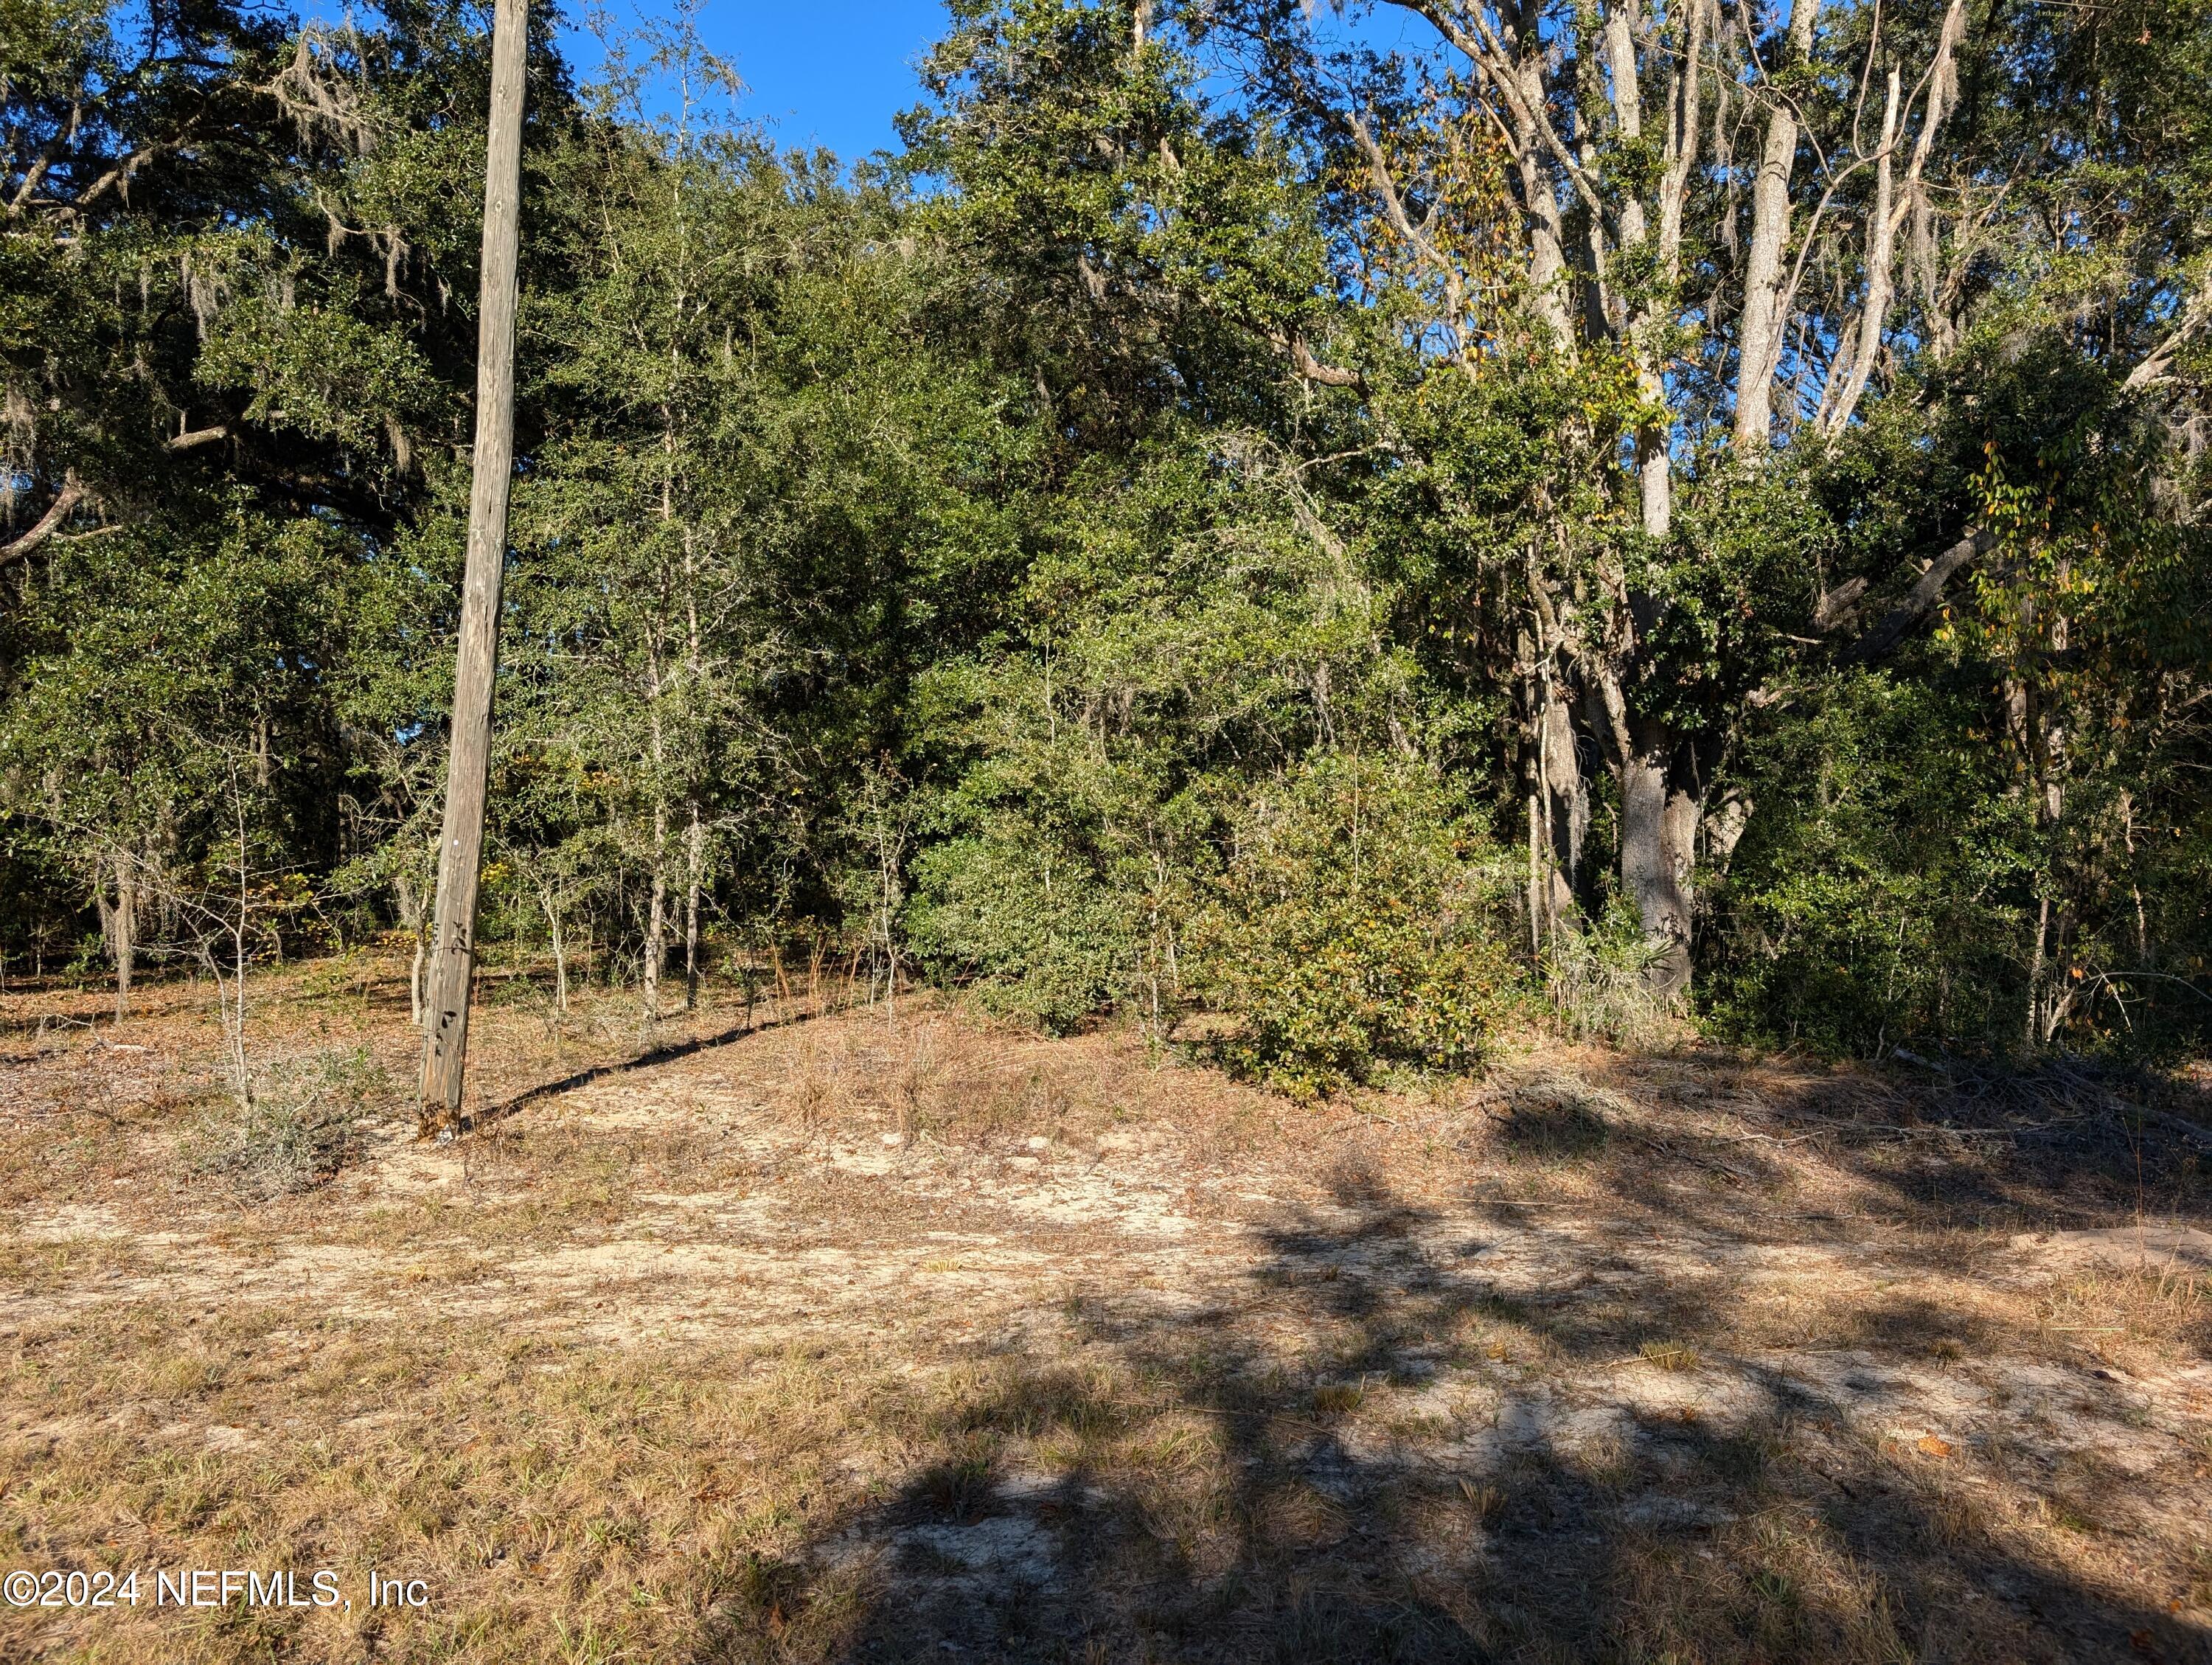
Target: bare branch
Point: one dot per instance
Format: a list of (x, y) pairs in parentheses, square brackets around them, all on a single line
[(1310, 368), (57, 515), (1880, 256), (1888, 631), (32, 175), (1484, 49), (2152, 370), (1394, 206), (1835, 606), (116, 175)]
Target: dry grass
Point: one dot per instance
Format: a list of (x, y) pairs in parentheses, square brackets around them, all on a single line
[(846, 1341)]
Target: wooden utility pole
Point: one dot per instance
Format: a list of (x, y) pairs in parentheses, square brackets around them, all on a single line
[(452, 952)]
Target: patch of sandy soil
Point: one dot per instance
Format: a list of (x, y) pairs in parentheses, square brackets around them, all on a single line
[(2156, 1248)]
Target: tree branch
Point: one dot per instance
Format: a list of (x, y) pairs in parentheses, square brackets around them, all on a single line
[(118, 174), (1835, 606), (2152, 371), (1401, 219), (57, 513), (1310, 368), (1890, 629), (1485, 50)]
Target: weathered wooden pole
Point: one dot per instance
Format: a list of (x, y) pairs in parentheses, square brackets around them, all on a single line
[(453, 950)]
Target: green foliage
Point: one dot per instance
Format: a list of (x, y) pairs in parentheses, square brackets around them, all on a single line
[(1121, 555), (1133, 247), (163, 666), (1053, 947), (1193, 631), (1599, 978), (1883, 892), (1353, 930)]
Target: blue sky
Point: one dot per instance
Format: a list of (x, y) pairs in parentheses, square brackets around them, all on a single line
[(832, 72), (837, 72)]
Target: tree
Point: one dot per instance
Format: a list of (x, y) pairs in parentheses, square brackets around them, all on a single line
[(1709, 210), (1749, 462)]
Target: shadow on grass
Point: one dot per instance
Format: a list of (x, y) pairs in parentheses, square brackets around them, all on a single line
[(1361, 1449), (2058, 1146), (488, 1115)]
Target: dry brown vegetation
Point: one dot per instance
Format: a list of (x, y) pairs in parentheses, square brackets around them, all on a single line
[(865, 1337)]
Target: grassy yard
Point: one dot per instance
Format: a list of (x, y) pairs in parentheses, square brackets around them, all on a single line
[(868, 1336)]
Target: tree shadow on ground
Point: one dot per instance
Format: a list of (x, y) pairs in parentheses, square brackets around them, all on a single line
[(1366, 1446), (2059, 1147), (486, 1116)]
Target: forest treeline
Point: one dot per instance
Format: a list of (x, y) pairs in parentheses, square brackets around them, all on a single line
[(1690, 506)]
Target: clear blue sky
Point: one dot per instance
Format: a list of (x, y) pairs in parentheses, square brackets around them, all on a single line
[(832, 72)]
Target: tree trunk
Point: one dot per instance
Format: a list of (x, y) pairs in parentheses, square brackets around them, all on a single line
[(1723, 829), (460, 844), (1655, 485), (1662, 781), (1658, 823), (410, 916), (1917, 210), (122, 921), (2031, 1018), (1566, 811), (656, 917), (1881, 263), (1548, 260), (694, 876), (1536, 866), (547, 901), (1681, 145), (1759, 336)]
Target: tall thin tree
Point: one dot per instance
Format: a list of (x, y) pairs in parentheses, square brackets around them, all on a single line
[(445, 1044)]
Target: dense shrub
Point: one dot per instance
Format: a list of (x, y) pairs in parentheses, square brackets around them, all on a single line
[(1035, 933), (1352, 930), (1884, 891)]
